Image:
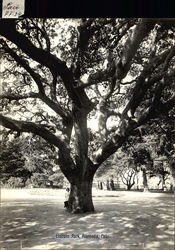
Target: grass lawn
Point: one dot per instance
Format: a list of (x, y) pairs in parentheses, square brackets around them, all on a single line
[(36, 219)]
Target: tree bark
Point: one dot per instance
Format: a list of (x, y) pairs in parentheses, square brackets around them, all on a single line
[(80, 199), (102, 119)]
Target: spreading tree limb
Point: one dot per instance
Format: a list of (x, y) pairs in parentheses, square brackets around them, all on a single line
[(79, 97), (30, 127)]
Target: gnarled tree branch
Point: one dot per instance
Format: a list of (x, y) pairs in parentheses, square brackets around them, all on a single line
[(37, 78), (79, 97), (12, 97), (30, 127)]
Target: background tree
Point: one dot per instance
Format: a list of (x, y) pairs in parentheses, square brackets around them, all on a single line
[(29, 161), (142, 159), (161, 171), (121, 166), (59, 74), (165, 154), (127, 176), (41, 160), (12, 163), (160, 140)]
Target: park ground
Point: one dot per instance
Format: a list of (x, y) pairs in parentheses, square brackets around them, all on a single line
[(36, 219)]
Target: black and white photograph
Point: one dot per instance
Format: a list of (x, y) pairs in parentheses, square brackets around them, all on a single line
[(87, 153)]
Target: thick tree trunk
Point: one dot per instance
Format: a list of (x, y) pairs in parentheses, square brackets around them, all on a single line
[(80, 199), (145, 181)]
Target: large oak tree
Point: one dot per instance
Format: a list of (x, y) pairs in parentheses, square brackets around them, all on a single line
[(58, 75)]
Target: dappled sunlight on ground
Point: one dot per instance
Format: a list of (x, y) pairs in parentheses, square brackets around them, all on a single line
[(126, 220)]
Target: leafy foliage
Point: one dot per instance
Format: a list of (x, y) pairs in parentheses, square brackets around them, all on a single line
[(142, 157), (12, 163), (15, 182)]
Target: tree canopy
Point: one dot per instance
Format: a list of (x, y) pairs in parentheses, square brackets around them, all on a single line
[(86, 86)]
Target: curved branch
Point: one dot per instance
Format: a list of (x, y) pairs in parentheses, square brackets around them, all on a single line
[(130, 48), (12, 97), (30, 127), (56, 107), (53, 87), (142, 85), (132, 44), (97, 77), (123, 178), (37, 78), (168, 58), (67, 165), (44, 34), (126, 129), (79, 97)]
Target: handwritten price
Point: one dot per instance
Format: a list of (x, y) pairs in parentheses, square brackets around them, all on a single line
[(12, 10), (12, 13)]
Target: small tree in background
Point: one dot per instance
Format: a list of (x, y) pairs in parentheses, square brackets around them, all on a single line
[(128, 178)]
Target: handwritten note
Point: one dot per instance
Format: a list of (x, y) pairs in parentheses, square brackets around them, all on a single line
[(12, 8)]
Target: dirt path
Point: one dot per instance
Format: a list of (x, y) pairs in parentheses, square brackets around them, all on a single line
[(36, 219)]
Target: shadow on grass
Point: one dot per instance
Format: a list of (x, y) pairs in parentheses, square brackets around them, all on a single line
[(117, 223)]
